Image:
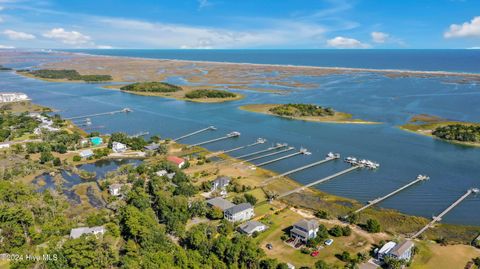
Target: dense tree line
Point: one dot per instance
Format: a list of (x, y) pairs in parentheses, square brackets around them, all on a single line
[(151, 87), (459, 132), (67, 74), (135, 143), (301, 110), (3, 68), (13, 126), (206, 93)]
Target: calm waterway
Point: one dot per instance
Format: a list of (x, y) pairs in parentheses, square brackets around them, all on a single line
[(453, 169)]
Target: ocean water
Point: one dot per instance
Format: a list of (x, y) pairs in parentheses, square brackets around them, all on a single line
[(452, 168), (461, 60)]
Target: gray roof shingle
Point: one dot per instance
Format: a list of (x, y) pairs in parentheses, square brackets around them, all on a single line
[(238, 208)]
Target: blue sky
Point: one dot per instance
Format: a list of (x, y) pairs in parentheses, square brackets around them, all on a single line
[(237, 24)]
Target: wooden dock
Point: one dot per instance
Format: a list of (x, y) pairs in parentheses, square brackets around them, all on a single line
[(194, 133), (301, 151), (262, 151), (348, 170), (258, 142), (380, 199), (230, 135), (125, 110), (268, 154), (444, 212), (265, 182)]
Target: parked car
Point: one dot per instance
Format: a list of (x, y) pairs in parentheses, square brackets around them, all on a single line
[(269, 246), (329, 242), (315, 253)]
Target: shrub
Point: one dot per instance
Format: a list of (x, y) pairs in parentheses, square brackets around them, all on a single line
[(77, 158), (372, 226)]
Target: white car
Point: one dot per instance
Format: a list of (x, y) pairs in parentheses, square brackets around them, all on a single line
[(329, 242)]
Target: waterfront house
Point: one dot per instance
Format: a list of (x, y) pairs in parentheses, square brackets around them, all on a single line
[(251, 227), (402, 251), (220, 184), (115, 189), (304, 230), (179, 162), (240, 212), (84, 142), (152, 147), (78, 232), (8, 97), (86, 153), (118, 147), (220, 203), (385, 249)]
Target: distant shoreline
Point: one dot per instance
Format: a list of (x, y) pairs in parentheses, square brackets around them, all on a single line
[(325, 68)]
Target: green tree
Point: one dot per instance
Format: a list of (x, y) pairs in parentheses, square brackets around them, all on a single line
[(45, 156), (372, 226)]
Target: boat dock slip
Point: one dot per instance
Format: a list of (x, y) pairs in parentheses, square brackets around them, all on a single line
[(268, 154), (439, 217), (301, 151), (378, 200), (196, 132), (125, 110), (278, 146), (265, 182), (348, 170), (230, 135)]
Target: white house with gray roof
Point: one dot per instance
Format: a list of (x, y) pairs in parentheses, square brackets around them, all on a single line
[(240, 212), (304, 230), (402, 251), (252, 226), (78, 232)]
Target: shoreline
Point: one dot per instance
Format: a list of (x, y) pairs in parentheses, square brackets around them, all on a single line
[(326, 68), (343, 118)]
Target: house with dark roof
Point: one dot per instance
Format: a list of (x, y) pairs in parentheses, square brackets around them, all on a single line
[(220, 184), (220, 203), (402, 251), (252, 226), (240, 212), (151, 147), (304, 230)]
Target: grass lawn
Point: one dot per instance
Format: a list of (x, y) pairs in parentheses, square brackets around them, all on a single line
[(4, 264), (285, 253), (433, 256)]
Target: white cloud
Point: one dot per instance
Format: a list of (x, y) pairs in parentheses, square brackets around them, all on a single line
[(162, 35), (6, 47), (346, 43), (467, 29), (203, 3), (380, 37), (68, 37), (14, 35), (1, 8)]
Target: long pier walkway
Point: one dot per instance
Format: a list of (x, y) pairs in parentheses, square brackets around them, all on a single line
[(279, 146), (348, 170), (230, 135), (380, 199), (125, 110), (266, 181), (439, 217), (268, 154), (194, 133), (301, 151), (258, 142)]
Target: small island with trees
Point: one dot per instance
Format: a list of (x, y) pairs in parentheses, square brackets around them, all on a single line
[(465, 133), (306, 112), (187, 93), (63, 75)]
